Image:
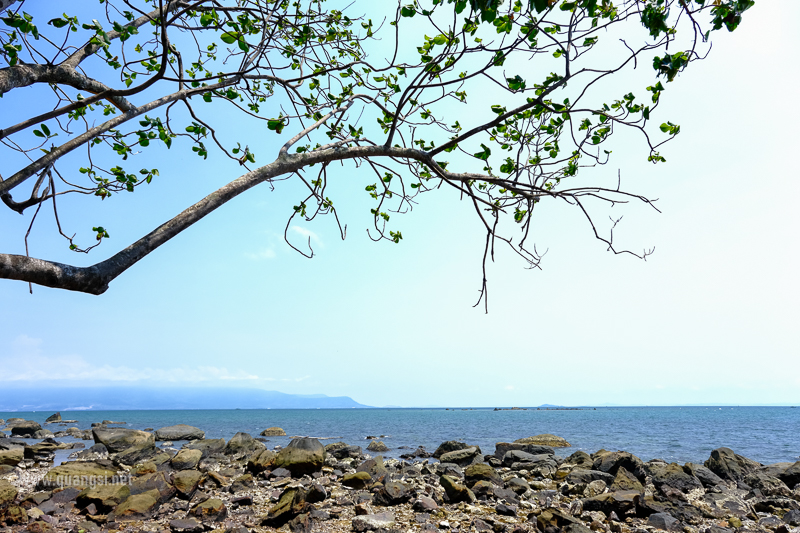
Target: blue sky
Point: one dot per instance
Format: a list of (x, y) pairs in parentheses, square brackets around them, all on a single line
[(710, 317)]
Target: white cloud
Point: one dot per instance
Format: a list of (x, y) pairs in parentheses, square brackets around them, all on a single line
[(266, 253), (308, 234), (509, 387)]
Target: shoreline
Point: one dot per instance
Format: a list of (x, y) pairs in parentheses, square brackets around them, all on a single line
[(142, 480)]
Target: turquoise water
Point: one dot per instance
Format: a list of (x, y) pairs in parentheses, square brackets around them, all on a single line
[(681, 434)]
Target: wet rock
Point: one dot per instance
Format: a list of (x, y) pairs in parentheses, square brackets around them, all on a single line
[(186, 459), (8, 493), (211, 510), (545, 439), (242, 444), (207, 446), (377, 446), (580, 459), (774, 505), (104, 497), (136, 454), (357, 480), (302, 456), (273, 432), (179, 432), (137, 507), (481, 472), (120, 439), (664, 521), (372, 522), (463, 457), (14, 514), (729, 465), (392, 493), (455, 491)]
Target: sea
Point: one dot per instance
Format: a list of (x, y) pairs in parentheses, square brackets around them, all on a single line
[(674, 434)]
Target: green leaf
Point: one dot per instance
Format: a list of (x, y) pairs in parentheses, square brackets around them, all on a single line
[(230, 37), (58, 23), (408, 11), (484, 155)]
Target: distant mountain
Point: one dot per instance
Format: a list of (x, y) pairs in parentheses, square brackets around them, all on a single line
[(118, 398)]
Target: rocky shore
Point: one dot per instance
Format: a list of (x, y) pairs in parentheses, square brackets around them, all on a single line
[(126, 482)]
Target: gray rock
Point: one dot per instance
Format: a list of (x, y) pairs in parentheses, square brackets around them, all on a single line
[(501, 448), (449, 446), (481, 472), (392, 493), (664, 521), (186, 459), (371, 522), (463, 457), (455, 491), (792, 518), (377, 446), (424, 504), (542, 464), (791, 476), (186, 525), (729, 465), (53, 418), (673, 476), (301, 456), (518, 485), (706, 476), (610, 462), (581, 475), (207, 446), (242, 444), (179, 432), (375, 468), (119, 439), (342, 450), (25, 429)]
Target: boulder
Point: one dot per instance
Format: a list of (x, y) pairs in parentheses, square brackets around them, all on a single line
[(186, 482), (137, 507), (463, 457), (273, 432), (242, 483), (729, 465), (791, 476), (673, 476), (542, 464), (371, 522), (120, 439), (481, 472), (706, 476), (104, 497), (136, 454), (186, 459), (79, 474), (449, 446), (501, 448), (580, 459), (301, 456), (581, 475), (316, 493), (392, 493), (610, 462), (520, 486), (242, 444), (154, 480), (260, 461), (455, 491), (11, 457), (8, 493), (211, 510), (545, 439), (624, 480), (768, 485), (14, 514), (357, 480), (554, 518), (179, 432), (207, 446), (25, 429), (619, 502), (724, 504), (342, 450), (186, 525), (375, 468), (292, 502), (53, 418), (424, 504), (377, 446), (664, 522)]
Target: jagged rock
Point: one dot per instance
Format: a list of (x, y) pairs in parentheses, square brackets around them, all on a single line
[(119, 439), (273, 432), (316, 493), (137, 507), (375, 468), (179, 432), (136, 454), (554, 518), (791, 476), (377, 446), (611, 462), (186, 459), (449, 446), (8, 493), (774, 505), (542, 464), (664, 521), (448, 469), (342, 450), (155, 480), (792, 518), (207, 446), (357, 480), (301, 456), (392, 493), (186, 525), (625, 481), (455, 491), (260, 461), (545, 439), (11, 457), (291, 503), (186, 482), (483, 489), (505, 510), (211, 510), (674, 477), (581, 475), (25, 429), (481, 471), (300, 523), (519, 485), (501, 448), (580, 459), (53, 418), (14, 514), (723, 504), (768, 485), (463, 457), (78, 474), (619, 502), (729, 465), (706, 476), (242, 483), (370, 522), (242, 444)]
